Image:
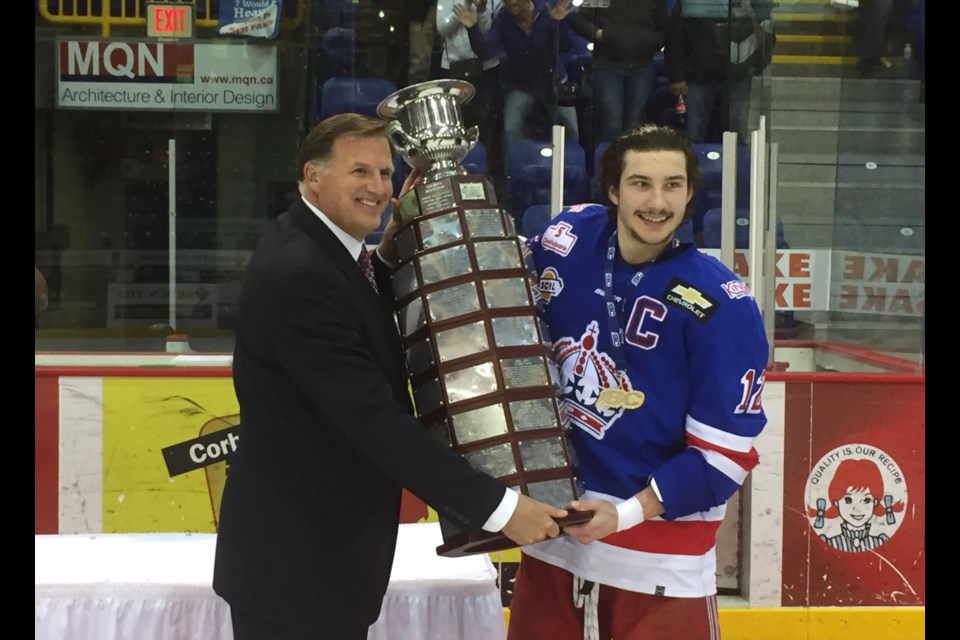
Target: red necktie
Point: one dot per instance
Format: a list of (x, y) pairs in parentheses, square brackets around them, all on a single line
[(367, 267)]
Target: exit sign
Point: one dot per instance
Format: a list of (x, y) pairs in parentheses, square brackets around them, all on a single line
[(169, 20)]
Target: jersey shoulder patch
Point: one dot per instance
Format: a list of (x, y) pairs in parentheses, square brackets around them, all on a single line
[(558, 238), (685, 296)]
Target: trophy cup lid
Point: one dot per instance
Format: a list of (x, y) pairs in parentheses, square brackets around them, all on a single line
[(460, 90)]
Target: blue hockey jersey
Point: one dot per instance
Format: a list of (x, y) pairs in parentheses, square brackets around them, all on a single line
[(680, 347)]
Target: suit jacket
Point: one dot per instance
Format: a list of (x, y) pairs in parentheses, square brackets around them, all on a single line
[(309, 515)]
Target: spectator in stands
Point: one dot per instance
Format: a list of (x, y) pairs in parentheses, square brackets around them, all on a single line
[(381, 37), (527, 36), (916, 34), (713, 51), (459, 61), (625, 36), (870, 35), (421, 22)]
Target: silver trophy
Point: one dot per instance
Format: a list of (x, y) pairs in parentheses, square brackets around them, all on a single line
[(479, 357), (427, 126)]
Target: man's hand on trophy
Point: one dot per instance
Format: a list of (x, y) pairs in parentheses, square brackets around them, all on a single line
[(533, 521), (466, 14), (412, 180), (386, 248)]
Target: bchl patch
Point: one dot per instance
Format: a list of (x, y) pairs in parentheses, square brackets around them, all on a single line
[(557, 238), (697, 303), (736, 289), (551, 284)]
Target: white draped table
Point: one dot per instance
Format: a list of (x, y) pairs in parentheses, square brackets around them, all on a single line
[(158, 587)]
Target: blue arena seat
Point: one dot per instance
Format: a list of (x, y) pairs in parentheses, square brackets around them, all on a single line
[(597, 193), (338, 13), (340, 55), (528, 175), (710, 156), (685, 232), (535, 220), (711, 230), (710, 190), (476, 160), (597, 152), (356, 94), (711, 167)]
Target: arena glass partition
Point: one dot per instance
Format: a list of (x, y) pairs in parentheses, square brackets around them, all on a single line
[(835, 220), (158, 163), (850, 183)]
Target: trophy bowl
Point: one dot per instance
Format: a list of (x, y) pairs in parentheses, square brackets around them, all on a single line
[(427, 127)]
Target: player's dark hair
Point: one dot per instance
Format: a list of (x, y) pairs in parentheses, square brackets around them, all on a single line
[(647, 137)]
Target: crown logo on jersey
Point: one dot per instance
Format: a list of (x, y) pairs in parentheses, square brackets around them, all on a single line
[(585, 373)]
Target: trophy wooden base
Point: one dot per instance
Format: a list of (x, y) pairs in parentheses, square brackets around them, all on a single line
[(465, 544)]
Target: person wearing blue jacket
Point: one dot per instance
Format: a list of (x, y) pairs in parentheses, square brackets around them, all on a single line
[(527, 36)]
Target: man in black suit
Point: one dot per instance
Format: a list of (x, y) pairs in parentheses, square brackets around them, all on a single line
[(309, 515)]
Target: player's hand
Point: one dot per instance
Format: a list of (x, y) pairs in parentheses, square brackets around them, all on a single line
[(602, 524), (533, 521)]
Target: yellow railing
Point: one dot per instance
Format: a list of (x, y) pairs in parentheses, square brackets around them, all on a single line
[(89, 12)]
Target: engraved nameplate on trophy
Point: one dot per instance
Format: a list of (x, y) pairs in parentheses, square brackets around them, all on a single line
[(479, 357)]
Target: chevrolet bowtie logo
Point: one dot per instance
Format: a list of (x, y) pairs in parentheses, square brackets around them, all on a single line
[(691, 295)]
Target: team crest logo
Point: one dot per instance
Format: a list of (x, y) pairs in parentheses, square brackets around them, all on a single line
[(551, 284), (594, 393), (557, 238)]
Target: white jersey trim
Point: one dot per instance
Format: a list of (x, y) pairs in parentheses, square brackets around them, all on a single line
[(642, 572)]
